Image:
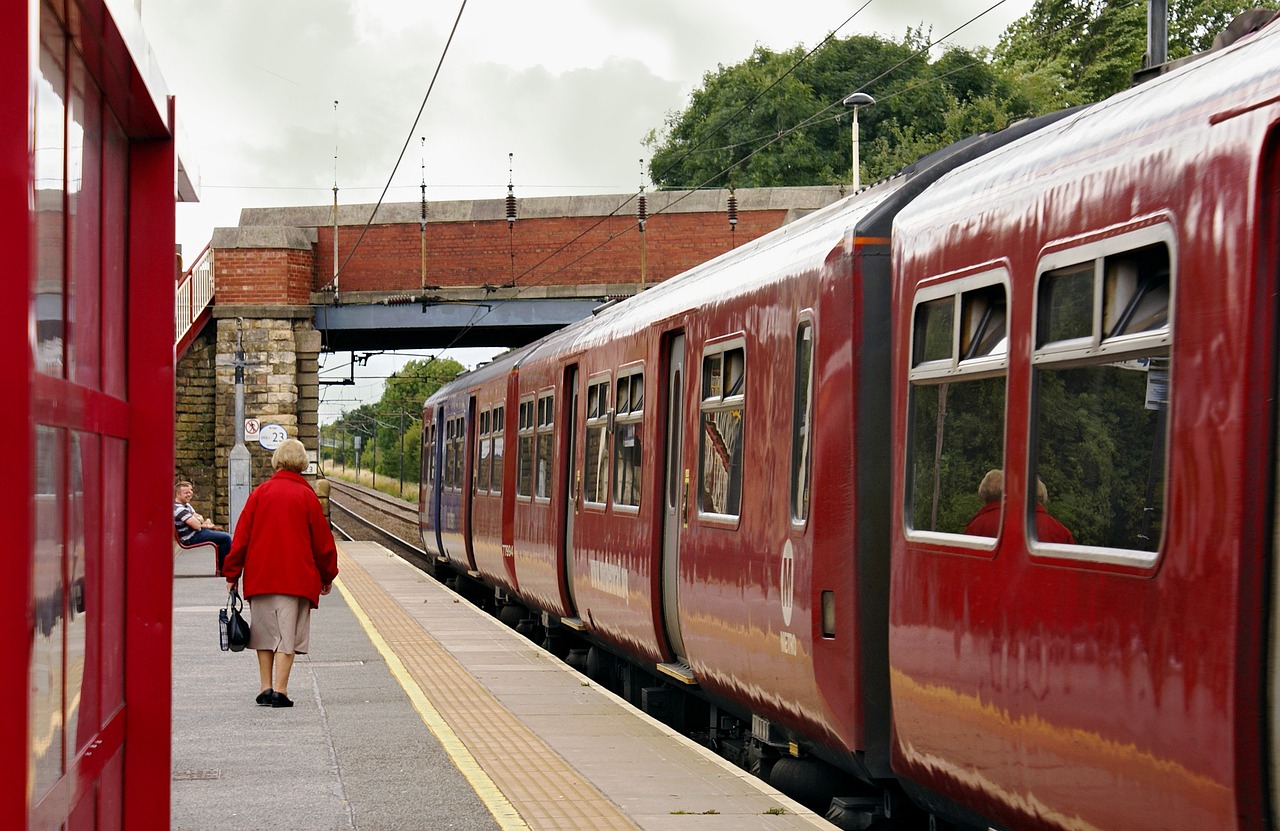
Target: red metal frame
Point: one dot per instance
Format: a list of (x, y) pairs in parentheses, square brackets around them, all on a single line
[(109, 422)]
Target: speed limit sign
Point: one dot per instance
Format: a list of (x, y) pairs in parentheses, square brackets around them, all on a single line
[(251, 428)]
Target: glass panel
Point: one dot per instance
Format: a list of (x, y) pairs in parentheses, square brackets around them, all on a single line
[(498, 443), (49, 598), (1066, 305), (626, 467), (673, 440), (83, 569), (114, 469), (50, 173), (115, 222), (721, 462), (637, 392), (1136, 292), (597, 464), (735, 372), (712, 389), (1100, 452), (934, 329), (800, 423), (542, 480), (624, 395), (983, 328), (956, 437), (84, 186)]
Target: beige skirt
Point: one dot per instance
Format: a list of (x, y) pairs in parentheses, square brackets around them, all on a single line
[(280, 623)]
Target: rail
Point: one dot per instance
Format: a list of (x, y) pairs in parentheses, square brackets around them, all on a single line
[(194, 294)]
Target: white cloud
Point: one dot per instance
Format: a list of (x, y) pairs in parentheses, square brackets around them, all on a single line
[(570, 87)]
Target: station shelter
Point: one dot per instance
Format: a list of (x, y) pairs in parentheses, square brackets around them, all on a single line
[(89, 174)]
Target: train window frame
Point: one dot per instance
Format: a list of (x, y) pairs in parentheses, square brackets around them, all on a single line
[(630, 419), (717, 398), (967, 298), (802, 426), (544, 442), (597, 418), (525, 438), (1109, 255)]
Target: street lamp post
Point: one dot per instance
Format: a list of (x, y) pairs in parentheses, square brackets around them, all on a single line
[(854, 101)]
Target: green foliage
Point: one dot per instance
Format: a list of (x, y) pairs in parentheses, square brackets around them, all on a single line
[(390, 429), (775, 120)]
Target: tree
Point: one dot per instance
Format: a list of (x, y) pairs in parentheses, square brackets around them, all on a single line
[(1081, 51), (775, 119)]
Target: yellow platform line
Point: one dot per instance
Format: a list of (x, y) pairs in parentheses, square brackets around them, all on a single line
[(522, 781)]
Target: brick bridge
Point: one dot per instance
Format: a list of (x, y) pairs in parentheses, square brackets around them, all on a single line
[(467, 276)]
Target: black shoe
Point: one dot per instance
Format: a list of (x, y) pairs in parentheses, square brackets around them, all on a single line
[(280, 700), (264, 698)]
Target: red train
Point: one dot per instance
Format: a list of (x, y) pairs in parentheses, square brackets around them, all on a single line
[(756, 481)]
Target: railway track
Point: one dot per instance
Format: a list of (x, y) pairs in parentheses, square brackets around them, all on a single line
[(365, 514)]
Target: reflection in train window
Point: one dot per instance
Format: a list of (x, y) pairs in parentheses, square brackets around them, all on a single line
[(542, 475), (1101, 400), (498, 425), (524, 449), (484, 463), (595, 483), (626, 444), (720, 459), (428, 450), (957, 404), (800, 422)]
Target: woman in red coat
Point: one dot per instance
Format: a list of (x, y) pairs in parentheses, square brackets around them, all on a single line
[(286, 553)]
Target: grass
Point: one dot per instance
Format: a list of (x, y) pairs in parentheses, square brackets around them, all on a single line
[(386, 484)]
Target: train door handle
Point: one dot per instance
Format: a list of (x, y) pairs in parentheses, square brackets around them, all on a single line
[(577, 492), (684, 501)]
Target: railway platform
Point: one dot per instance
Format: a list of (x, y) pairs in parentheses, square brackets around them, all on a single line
[(416, 710)]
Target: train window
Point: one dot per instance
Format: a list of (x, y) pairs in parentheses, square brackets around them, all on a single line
[(459, 453), (1066, 305), (720, 459), (484, 464), (957, 404), (449, 446), (428, 451), (596, 480), (934, 331), (524, 450), (542, 477), (1100, 402), (497, 426), (626, 445), (800, 422)]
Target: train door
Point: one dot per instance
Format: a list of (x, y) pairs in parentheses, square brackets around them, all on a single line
[(436, 479), (572, 480), (468, 462), (1269, 264), (676, 498)]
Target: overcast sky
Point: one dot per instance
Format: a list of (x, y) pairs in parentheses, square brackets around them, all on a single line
[(570, 87)]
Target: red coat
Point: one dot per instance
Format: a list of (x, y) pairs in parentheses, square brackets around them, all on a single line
[(986, 523), (282, 542)]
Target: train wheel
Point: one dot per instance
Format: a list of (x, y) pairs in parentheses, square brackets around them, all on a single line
[(511, 614), (810, 782), (600, 667)]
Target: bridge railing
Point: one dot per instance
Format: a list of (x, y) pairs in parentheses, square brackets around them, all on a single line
[(194, 294)]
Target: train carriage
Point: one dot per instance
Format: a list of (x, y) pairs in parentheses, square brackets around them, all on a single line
[(696, 477), (1091, 312)]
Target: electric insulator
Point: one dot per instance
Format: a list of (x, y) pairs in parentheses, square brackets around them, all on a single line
[(733, 209), (511, 207), (642, 213)]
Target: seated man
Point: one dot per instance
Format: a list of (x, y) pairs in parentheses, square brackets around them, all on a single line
[(192, 528)]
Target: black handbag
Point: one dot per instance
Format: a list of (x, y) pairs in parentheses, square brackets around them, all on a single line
[(233, 629)]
